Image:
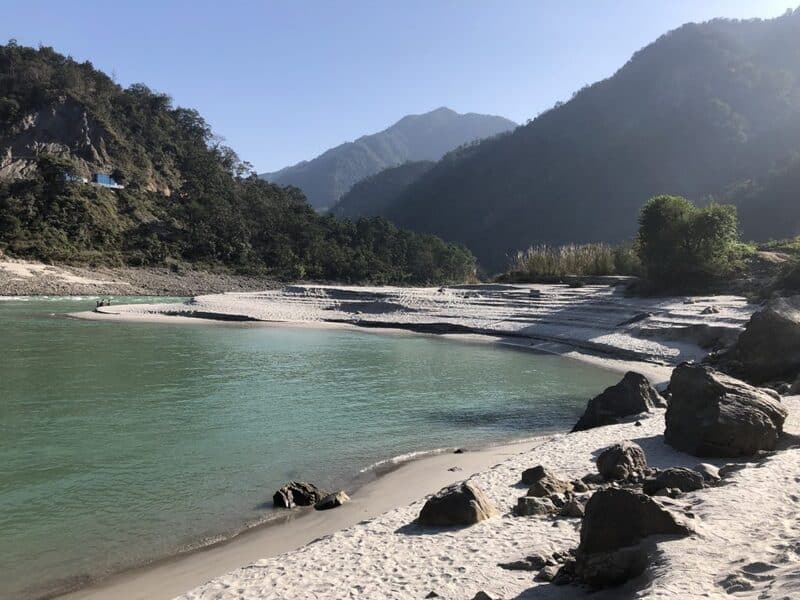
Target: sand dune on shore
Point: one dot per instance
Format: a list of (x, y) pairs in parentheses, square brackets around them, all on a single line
[(747, 532)]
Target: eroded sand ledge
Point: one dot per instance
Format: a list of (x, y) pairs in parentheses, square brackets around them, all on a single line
[(595, 322)]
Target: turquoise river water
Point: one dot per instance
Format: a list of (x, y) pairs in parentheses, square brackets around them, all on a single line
[(122, 443)]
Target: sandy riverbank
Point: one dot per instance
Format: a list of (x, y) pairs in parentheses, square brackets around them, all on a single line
[(408, 482), (746, 532), (370, 550), (595, 323), (31, 278)]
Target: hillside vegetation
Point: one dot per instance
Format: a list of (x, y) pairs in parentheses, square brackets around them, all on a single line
[(188, 198), (426, 137), (702, 110), (371, 196)]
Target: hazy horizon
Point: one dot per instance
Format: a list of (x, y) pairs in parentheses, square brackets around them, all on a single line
[(289, 82)]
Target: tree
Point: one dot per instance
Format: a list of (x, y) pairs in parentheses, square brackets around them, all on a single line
[(681, 245)]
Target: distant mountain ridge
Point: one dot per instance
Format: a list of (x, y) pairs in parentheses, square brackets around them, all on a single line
[(700, 111), (427, 136)]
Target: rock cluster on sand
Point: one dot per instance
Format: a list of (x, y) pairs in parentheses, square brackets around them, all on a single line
[(769, 347), (297, 493), (711, 414), (621, 461), (459, 504), (631, 396), (616, 523)]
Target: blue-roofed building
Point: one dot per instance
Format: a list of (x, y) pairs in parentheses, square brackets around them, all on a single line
[(106, 180)]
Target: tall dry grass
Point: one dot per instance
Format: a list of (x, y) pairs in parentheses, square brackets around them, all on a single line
[(549, 263)]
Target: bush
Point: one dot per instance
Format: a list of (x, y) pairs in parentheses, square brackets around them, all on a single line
[(681, 245), (552, 263)]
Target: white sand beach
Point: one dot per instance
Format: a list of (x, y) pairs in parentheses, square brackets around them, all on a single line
[(597, 323), (746, 528)]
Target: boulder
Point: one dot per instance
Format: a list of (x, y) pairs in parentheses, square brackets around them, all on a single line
[(631, 396), (615, 524), (769, 347), (534, 474), (711, 414), (528, 506), (332, 500), (621, 461), (297, 493), (544, 483), (459, 504), (685, 480), (573, 508)]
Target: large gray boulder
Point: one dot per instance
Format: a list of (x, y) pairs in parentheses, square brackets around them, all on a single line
[(459, 504), (544, 483), (711, 414), (769, 347), (297, 493), (621, 461), (631, 396), (675, 478), (614, 525)]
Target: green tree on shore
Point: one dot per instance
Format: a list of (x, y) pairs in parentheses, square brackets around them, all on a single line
[(680, 244)]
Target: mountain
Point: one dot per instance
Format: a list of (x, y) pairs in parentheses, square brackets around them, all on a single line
[(371, 196), (704, 108), (179, 197), (769, 207), (327, 177)]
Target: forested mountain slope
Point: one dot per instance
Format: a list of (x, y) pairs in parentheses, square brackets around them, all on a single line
[(371, 196), (697, 112), (186, 197)]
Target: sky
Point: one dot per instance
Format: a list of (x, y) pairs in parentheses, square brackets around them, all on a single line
[(282, 81)]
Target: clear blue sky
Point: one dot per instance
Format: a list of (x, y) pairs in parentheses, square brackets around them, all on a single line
[(283, 80)]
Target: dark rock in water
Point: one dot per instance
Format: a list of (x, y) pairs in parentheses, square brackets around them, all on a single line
[(685, 480), (528, 506), (615, 523), (332, 500), (710, 473), (631, 396), (459, 451), (712, 414), (297, 493), (710, 310), (543, 483), (621, 461), (769, 347), (459, 504)]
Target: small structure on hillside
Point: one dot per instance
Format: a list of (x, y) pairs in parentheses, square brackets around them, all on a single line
[(106, 180)]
